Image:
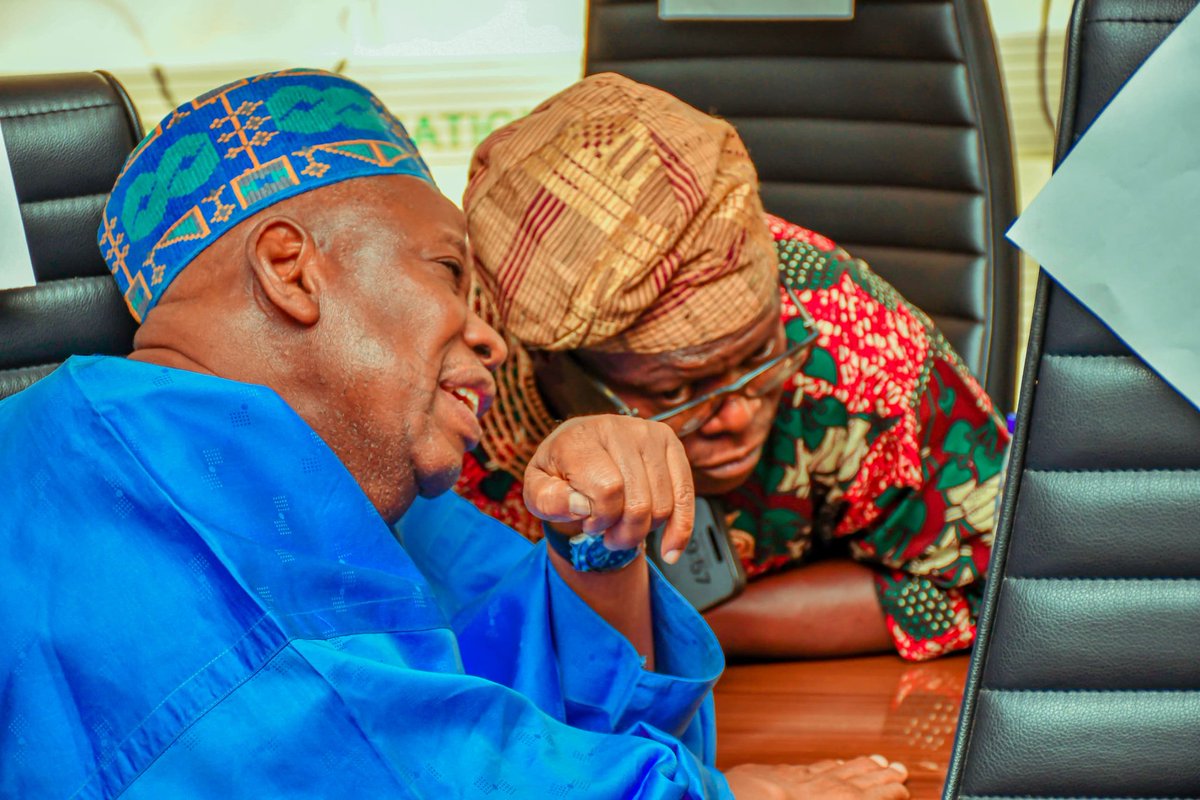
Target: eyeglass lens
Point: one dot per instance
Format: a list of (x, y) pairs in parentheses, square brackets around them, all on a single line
[(769, 380)]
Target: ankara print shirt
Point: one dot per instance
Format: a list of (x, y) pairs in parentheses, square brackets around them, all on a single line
[(885, 449)]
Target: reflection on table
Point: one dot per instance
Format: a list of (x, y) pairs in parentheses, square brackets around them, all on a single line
[(800, 712)]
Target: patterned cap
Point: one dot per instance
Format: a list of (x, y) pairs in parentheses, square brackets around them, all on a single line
[(614, 217), (232, 152), (617, 217)]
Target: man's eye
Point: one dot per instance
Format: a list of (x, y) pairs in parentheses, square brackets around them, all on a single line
[(676, 396), (456, 269), (765, 352)]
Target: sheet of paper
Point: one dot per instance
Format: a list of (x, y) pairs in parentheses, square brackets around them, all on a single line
[(756, 9), (1118, 225), (15, 267)]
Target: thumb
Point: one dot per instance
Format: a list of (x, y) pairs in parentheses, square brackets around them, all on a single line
[(552, 499)]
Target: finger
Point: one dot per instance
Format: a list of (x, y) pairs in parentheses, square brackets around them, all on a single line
[(602, 482), (592, 478), (553, 499), (892, 765), (890, 791), (823, 766), (637, 516), (678, 528), (793, 773), (855, 767), (662, 484), (879, 777)]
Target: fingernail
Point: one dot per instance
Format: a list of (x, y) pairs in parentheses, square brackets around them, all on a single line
[(896, 765), (579, 505), (671, 556), (880, 760)]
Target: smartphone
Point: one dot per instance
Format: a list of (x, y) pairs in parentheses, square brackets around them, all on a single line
[(709, 572)]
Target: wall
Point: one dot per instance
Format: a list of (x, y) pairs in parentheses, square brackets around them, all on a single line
[(1016, 24), (452, 70)]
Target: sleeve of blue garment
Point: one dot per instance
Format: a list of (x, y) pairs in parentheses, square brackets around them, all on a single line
[(520, 625), (201, 611), (338, 718), (566, 712)]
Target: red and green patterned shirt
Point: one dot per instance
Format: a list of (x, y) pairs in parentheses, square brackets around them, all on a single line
[(884, 448)]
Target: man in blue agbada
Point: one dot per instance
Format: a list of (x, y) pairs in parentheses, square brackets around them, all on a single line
[(203, 595)]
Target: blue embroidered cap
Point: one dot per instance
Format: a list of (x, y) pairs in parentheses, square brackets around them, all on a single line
[(231, 153)]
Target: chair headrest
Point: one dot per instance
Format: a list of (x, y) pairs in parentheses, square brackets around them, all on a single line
[(67, 137)]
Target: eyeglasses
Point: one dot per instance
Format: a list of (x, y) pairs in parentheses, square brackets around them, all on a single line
[(689, 417)]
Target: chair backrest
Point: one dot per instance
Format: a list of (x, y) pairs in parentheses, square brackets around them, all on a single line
[(1085, 681), (888, 134), (67, 137)]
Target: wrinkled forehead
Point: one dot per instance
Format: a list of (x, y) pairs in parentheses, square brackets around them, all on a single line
[(396, 207)]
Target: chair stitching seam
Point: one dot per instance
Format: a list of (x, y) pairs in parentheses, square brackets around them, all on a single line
[(1046, 797), (607, 63), (1090, 691), (862, 186), (9, 370), (1084, 578), (67, 279), (60, 110), (63, 199), (1112, 470), (1088, 355), (1137, 21)]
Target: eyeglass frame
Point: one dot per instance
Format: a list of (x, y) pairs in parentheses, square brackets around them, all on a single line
[(731, 388)]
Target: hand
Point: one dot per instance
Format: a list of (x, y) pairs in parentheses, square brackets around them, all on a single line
[(620, 475), (870, 778)]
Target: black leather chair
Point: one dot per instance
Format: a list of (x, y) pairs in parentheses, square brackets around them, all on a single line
[(888, 133), (67, 137), (1085, 681)]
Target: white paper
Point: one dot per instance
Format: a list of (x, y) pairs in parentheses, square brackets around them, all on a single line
[(16, 269), (756, 9), (1118, 225)]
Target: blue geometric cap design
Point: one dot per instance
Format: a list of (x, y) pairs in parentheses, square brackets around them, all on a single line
[(231, 153)]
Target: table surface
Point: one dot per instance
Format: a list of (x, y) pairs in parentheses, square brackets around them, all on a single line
[(805, 711)]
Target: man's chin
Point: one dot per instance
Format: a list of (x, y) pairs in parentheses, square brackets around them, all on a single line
[(438, 483), (711, 487)]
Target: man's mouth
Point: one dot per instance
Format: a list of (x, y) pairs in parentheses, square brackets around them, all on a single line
[(732, 464), (468, 396)]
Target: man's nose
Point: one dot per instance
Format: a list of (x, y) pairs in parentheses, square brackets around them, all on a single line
[(486, 342), (734, 416)]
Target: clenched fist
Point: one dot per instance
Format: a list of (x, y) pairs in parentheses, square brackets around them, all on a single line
[(620, 475)]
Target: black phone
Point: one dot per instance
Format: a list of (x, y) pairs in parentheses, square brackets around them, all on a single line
[(709, 571)]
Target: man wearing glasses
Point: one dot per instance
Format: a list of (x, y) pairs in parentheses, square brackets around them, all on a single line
[(623, 251)]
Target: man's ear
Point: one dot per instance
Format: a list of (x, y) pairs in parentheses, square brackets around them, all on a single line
[(287, 266)]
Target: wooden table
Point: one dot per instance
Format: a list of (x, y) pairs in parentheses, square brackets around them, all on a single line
[(800, 712)]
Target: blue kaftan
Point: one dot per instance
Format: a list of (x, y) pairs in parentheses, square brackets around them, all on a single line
[(199, 601)]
